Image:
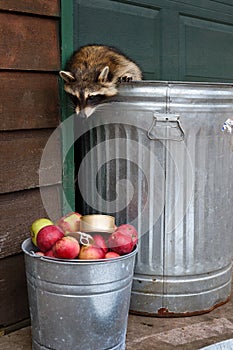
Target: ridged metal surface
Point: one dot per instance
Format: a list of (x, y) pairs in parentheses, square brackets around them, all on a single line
[(78, 304), (177, 193)]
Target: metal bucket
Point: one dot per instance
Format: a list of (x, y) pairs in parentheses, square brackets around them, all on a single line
[(156, 157), (78, 304)]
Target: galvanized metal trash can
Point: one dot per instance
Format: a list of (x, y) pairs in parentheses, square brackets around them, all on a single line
[(156, 157), (78, 305)]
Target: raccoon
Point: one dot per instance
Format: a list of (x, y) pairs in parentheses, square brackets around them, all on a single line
[(92, 76)]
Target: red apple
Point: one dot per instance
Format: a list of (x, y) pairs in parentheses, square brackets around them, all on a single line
[(70, 222), (47, 236), (131, 230), (120, 242), (91, 252), (111, 255), (99, 241), (36, 226), (50, 253), (66, 248)]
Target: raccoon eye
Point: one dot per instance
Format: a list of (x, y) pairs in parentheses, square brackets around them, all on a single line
[(95, 99), (74, 99), (92, 97)]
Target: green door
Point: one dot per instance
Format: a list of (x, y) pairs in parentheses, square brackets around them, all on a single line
[(169, 39)]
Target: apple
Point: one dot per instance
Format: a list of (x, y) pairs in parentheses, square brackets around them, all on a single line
[(40, 253), (131, 230), (91, 252), (50, 253), (36, 226), (47, 236), (120, 242), (99, 241), (111, 255), (70, 222), (66, 248)]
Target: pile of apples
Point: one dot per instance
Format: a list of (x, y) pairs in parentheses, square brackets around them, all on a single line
[(53, 240)]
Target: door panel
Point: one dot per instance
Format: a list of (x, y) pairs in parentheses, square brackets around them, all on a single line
[(134, 30), (206, 51)]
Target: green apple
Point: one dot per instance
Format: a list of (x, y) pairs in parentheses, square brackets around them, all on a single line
[(36, 226)]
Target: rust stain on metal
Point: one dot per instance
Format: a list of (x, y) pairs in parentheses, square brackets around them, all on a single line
[(164, 312)]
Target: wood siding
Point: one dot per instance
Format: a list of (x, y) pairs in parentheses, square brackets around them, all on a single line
[(24, 207), (20, 157), (13, 291), (40, 7), (29, 112), (25, 100), (28, 43)]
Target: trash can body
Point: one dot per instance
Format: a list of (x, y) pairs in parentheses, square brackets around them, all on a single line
[(156, 157), (78, 304)]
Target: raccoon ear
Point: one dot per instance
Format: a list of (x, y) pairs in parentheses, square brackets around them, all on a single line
[(103, 77), (67, 76)]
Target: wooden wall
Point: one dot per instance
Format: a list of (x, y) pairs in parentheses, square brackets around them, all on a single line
[(29, 112)]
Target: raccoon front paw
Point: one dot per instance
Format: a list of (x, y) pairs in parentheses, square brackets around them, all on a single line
[(125, 79)]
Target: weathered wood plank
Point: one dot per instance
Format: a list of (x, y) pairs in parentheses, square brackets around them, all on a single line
[(41, 7), (19, 210), (28, 101), (13, 290), (20, 157), (29, 43)]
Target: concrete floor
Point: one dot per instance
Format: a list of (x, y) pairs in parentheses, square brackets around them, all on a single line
[(151, 333)]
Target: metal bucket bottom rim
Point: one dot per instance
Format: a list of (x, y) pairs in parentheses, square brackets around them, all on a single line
[(120, 346)]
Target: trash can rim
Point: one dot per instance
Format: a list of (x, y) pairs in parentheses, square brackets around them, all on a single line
[(175, 82)]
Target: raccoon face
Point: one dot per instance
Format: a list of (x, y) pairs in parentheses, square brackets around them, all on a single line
[(87, 93), (86, 103)]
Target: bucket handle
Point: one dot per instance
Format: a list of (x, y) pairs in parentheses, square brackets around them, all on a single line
[(82, 237), (169, 119)]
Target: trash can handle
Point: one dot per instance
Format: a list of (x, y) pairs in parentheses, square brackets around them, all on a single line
[(166, 118)]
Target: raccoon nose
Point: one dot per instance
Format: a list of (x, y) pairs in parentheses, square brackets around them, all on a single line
[(82, 114)]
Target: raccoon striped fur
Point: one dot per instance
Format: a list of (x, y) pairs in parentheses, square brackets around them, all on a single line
[(92, 76)]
